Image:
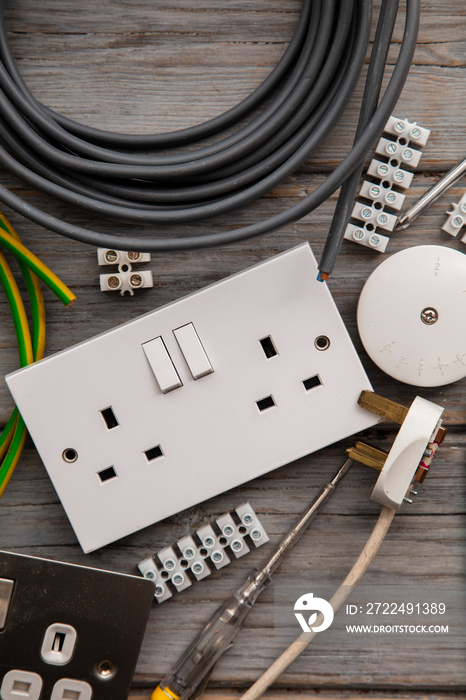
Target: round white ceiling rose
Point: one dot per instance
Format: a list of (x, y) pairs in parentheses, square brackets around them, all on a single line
[(412, 316)]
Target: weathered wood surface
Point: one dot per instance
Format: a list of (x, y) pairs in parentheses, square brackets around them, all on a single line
[(144, 66)]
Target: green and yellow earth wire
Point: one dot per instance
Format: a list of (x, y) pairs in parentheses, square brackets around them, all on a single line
[(31, 348)]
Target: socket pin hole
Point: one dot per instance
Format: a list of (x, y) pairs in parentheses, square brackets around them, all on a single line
[(312, 382), (69, 455), (378, 205), (402, 142), (322, 342), (154, 453), (268, 347), (107, 474), (164, 574), (386, 184), (184, 564), (21, 688), (124, 268), (109, 417), (265, 403), (370, 227), (242, 530), (203, 552), (223, 541), (106, 669), (394, 163)]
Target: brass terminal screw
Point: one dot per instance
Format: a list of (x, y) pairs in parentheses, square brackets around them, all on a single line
[(135, 280), (111, 256), (113, 282)]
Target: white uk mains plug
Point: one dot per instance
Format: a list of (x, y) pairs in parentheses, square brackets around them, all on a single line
[(194, 398)]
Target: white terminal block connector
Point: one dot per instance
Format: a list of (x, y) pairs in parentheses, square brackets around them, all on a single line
[(416, 432), (399, 152), (456, 219), (382, 196), (126, 279), (359, 234), (391, 175), (373, 216), (108, 256), (173, 566), (410, 131)]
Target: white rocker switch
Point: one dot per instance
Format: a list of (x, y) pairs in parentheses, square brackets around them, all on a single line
[(193, 351), (162, 365)]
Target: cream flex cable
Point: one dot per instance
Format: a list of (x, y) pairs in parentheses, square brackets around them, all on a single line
[(337, 601)]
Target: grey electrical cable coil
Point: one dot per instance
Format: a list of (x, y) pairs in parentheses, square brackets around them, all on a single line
[(118, 176)]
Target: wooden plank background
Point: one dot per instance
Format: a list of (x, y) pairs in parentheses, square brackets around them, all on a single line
[(145, 66)]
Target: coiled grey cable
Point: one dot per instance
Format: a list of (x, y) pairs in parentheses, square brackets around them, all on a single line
[(112, 176)]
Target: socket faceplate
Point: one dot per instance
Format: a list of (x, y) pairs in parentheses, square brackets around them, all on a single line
[(130, 437), (104, 613)]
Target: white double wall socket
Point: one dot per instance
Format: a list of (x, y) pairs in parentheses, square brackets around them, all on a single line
[(194, 398)]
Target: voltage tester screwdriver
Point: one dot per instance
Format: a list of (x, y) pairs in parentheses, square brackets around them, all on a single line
[(192, 670)]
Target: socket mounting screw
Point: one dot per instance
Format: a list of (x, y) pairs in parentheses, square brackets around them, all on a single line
[(133, 256), (429, 316)]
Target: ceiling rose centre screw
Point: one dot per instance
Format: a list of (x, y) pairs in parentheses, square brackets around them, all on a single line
[(429, 315)]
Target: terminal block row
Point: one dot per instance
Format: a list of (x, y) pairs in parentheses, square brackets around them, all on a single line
[(174, 568), (456, 219), (388, 177)]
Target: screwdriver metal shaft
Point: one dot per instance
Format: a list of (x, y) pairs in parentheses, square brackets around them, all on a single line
[(431, 196)]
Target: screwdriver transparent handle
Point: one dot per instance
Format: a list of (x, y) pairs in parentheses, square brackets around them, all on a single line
[(201, 656)]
